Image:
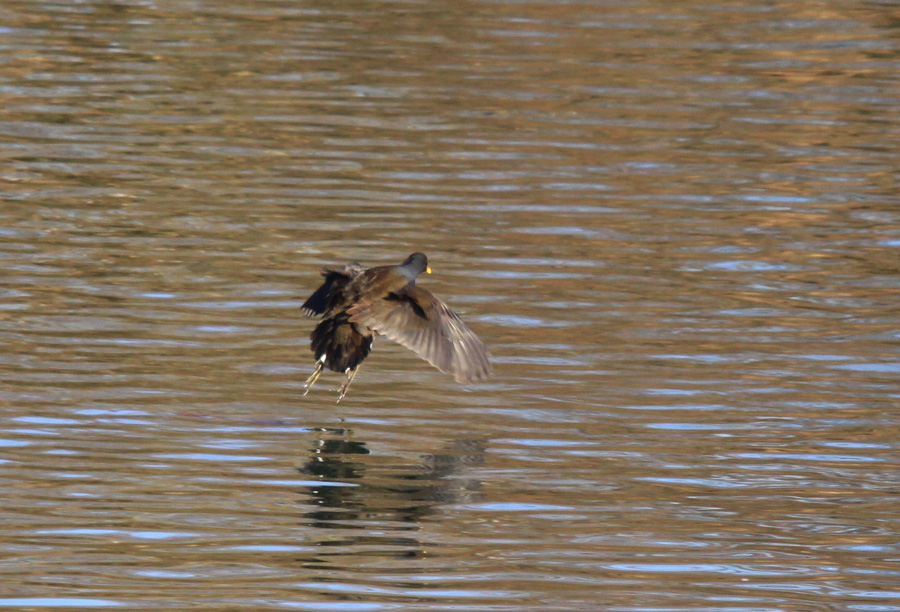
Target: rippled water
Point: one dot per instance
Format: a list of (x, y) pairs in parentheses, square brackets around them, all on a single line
[(676, 225)]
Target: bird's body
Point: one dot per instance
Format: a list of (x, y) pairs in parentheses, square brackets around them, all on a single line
[(358, 303)]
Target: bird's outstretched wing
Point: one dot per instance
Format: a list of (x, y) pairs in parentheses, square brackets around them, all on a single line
[(336, 279), (422, 322)]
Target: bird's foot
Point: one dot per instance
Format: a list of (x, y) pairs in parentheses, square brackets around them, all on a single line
[(313, 377), (351, 374)]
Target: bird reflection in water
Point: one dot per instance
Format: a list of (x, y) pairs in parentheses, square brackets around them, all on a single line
[(391, 497)]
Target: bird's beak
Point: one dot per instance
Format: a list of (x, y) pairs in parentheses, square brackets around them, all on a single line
[(427, 269)]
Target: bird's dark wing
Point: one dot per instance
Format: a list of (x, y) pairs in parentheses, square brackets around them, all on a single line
[(423, 323), (336, 280)]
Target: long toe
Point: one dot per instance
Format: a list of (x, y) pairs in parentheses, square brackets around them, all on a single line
[(351, 374), (312, 378)]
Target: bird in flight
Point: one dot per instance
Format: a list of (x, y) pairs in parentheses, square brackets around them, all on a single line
[(358, 303)]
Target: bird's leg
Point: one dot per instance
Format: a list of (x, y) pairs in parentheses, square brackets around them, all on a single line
[(350, 376), (314, 376)]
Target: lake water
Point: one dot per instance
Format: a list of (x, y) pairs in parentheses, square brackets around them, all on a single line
[(676, 226)]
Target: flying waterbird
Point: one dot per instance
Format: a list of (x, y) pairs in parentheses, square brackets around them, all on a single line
[(358, 303)]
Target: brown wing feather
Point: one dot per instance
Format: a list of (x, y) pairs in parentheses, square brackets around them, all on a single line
[(422, 322), (330, 292)]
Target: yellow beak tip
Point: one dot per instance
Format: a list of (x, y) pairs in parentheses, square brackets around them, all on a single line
[(428, 269)]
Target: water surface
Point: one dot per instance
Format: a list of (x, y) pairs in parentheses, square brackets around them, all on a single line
[(675, 225)]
